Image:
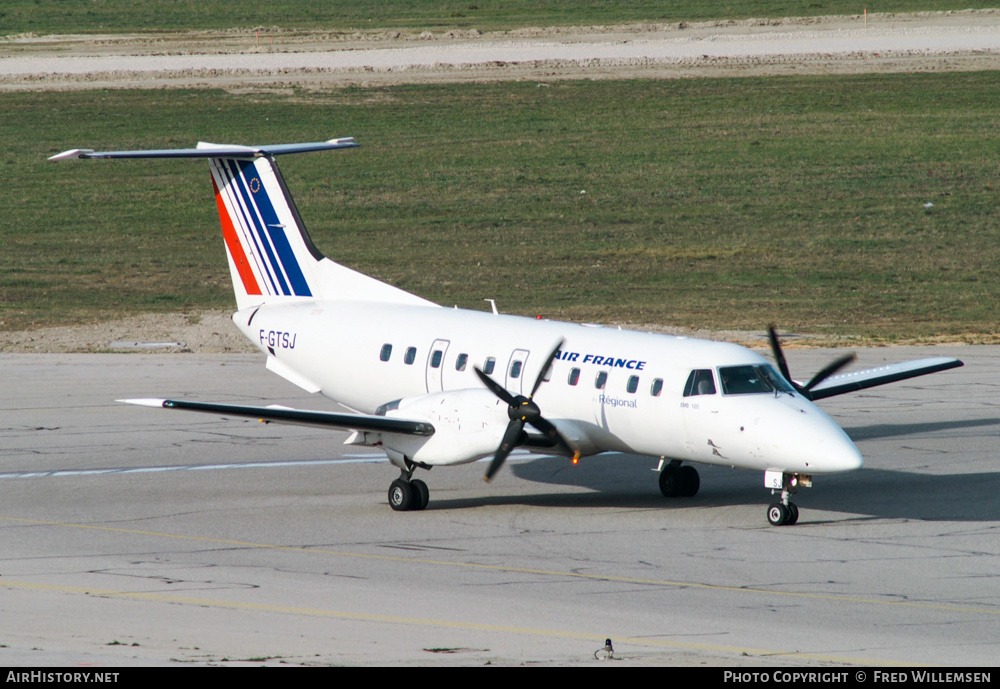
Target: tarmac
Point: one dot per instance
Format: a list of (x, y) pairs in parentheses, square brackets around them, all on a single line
[(135, 537)]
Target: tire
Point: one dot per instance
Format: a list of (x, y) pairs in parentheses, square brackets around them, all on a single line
[(400, 496), (777, 514), (421, 494), (669, 483), (690, 482), (793, 514)]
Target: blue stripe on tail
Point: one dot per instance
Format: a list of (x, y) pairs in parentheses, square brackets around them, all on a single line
[(260, 228), (278, 238)]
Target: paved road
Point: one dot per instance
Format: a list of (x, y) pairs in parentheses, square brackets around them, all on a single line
[(882, 43), (215, 541)]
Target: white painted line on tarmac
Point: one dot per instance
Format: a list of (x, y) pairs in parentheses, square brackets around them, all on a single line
[(349, 459)]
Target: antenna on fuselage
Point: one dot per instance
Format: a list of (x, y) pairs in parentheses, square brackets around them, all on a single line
[(493, 305)]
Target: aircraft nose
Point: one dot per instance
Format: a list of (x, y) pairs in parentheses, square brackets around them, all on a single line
[(813, 440), (828, 448), (841, 454)]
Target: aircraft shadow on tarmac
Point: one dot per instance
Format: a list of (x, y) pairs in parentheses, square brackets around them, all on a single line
[(858, 433), (617, 480)]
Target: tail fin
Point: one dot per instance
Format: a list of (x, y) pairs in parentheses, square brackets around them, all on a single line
[(271, 256)]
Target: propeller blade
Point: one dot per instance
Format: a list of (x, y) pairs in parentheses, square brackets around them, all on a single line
[(779, 356), (509, 442), (549, 429), (824, 373), (522, 410), (497, 389), (829, 370), (545, 368)]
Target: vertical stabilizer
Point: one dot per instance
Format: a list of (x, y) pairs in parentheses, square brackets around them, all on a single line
[(271, 256)]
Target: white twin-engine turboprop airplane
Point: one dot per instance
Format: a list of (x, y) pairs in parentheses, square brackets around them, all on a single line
[(436, 386)]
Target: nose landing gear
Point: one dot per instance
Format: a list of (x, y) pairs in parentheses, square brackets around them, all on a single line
[(784, 512)]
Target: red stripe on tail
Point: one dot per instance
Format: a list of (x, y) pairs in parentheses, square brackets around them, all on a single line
[(234, 246)]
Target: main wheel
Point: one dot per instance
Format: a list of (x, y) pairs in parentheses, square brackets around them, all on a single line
[(421, 494), (669, 484), (689, 481), (400, 495), (777, 514)]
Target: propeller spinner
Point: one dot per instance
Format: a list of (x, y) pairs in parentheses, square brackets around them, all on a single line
[(521, 410), (823, 374)]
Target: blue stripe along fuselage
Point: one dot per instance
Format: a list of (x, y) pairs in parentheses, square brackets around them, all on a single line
[(273, 227)]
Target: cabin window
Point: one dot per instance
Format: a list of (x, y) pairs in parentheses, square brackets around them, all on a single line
[(656, 388), (410, 356), (633, 384), (700, 382), (515, 369), (461, 362), (601, 380), (489, 365), (386, 352), (574, 376), (436, 358)]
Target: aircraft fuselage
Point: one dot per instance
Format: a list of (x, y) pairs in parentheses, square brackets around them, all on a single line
[(608, 389)]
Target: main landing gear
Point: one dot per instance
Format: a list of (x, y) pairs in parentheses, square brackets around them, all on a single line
[(407, 493), (678, 481)]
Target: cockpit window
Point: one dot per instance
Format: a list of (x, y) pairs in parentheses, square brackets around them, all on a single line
[(748, 380), (700, 382)]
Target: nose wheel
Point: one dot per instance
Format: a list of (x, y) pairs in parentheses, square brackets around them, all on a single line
[(784, 512), (780, 514)]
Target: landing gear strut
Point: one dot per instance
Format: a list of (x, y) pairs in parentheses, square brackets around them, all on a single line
[(784, 512), (678, 481), (407, 493)]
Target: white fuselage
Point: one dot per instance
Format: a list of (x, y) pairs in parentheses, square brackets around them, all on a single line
[(337, 348)]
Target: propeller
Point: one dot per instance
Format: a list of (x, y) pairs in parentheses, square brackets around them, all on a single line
[(522, 410), (823, 374)]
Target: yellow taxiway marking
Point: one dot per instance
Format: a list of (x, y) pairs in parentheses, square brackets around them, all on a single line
[(621, 641), (519, 570)]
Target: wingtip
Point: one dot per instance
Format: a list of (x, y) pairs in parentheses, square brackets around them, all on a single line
[(145, 402), (74, 153)]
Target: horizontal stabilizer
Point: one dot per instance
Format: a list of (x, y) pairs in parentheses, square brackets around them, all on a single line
[(870, 377), (207, 150), (301, 417)]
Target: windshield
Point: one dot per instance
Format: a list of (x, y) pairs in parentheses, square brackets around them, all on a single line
[(751, 379)]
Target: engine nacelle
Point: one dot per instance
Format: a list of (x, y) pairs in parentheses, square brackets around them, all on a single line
[(468, 425)]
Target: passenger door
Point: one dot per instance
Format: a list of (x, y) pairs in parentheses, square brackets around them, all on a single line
[(515, 371), (435, 365)]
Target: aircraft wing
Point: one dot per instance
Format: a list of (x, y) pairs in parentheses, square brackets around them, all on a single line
[(300, 417), (870, 377)]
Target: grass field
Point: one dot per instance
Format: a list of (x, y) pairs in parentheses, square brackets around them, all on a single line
[(706, 203), (112, 16)]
